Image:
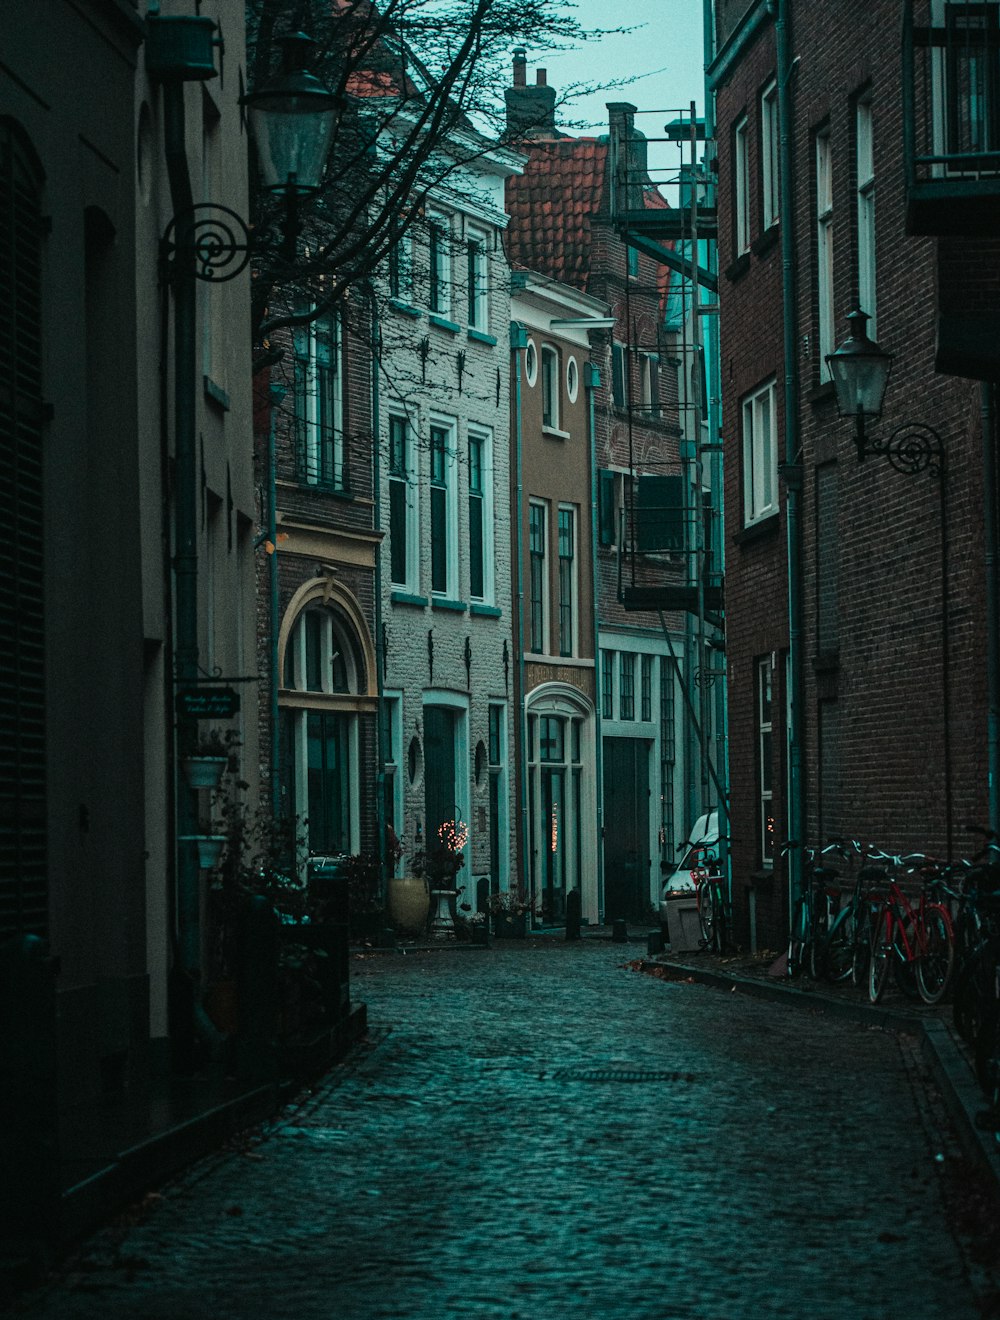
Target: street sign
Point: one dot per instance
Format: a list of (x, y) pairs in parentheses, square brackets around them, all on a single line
[(207, 703)]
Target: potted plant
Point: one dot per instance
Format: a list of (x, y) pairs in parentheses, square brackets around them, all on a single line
[(510, 909), (440, 866), (409, 895), (205, 764)]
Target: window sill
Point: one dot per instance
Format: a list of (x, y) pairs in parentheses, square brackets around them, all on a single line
[(216, 394), (485, 611), (443, 323), (763, 244), (738, 269), (443, 603), (398, 305), (326, 488), (406, 598), (481, 337), (759, 531), (555, 433), (822, 394)]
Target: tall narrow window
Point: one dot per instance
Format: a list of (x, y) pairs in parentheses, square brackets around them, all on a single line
[(442, 545), (626, 688), (498, 798), (607, 685), (567, 582), (480, 516), (537, 533), (550, 387), (741, 186), (866, 214), (973, 90), (319, 403), (650, 364), (824, 250), (439, 266), (760, 455), (765, 762), (476, 280), (400, 270), (399, 480), (619, 375), (647, 687), (770, 157)]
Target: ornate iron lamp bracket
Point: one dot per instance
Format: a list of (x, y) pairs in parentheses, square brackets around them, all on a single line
[(210, 240), (911, 448)]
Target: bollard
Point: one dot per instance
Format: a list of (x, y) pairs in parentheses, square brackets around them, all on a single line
[(619, 932), (654, 942), (574, 910)]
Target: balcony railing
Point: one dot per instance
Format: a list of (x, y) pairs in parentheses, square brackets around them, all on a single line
[(951, 115)]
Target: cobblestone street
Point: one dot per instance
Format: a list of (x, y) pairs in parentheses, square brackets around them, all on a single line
[(539, 1132)]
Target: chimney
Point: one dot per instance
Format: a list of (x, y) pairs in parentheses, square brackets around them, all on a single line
[(627, 163), (531, 111)]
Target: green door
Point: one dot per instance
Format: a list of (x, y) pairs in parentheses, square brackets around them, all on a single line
[(626, 829), (439, 769)]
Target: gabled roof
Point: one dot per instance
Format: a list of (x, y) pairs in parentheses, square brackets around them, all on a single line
[(550, 206)]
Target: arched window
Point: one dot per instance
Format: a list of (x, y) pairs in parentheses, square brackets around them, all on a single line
[(324, 673)]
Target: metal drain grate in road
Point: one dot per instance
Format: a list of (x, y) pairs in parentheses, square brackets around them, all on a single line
[(616, 1075)]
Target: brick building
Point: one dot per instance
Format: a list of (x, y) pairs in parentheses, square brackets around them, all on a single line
[(855, 624), (563, 227)]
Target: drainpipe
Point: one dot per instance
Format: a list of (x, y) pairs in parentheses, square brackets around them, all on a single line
[(380, 729), (792, 471), (992, 610), (519, 342), (277, 393), (592, 382)]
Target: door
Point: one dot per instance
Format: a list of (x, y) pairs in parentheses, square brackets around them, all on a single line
[(626, 829), (439, 770)]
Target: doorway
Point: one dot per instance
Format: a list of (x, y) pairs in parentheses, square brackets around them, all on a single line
[(626, 829)]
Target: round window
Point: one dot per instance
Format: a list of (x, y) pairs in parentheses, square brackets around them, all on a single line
[(414, 760), (531, 362), (572, 379)]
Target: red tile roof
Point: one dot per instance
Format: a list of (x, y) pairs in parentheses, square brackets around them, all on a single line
[(550, 206)]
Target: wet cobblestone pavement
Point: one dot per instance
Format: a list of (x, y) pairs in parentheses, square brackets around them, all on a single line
[(537, 1131)]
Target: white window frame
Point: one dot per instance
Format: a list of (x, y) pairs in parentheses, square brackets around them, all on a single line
[(865, 158), (769, 156), (450, 427), (572, 379), (551, 375), (741, 184), (439, 264), (484, 436), (411, 485), (649, 373), (477, 248), (531, 363), (824, 250), (309, 358), (760, 454), (400, 272), (393, 755)]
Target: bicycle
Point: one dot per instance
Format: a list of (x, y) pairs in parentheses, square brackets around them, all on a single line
[(814, 911), (844, 953), (919, 937), (711, 904)]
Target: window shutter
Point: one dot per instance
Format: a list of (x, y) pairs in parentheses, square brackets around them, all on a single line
[(606, 506), (660, 514)]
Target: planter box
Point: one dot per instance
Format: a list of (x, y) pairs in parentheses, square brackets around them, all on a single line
[(510, 927)]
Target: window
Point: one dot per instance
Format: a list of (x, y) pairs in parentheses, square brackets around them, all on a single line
[(619, 375), (477, 276), (403, 550), (741, 186), (632, 261), (572, 379), (647, 687), (765, 762), (824, 250), (498, 796), (393, 732), (555, 798), (973, 80), (480, 516), (626, 686), (650, 370), (770, 204), (537, 534), (319, 403), (531, 362), (322, 660), (760, 455), (439, 265), (866, 213), (401, 270), (443, 510), (608, 505), (567, 581), (550, 387), (607, 685)]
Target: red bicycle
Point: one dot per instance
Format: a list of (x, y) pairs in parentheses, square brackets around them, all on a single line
[(915, 936)]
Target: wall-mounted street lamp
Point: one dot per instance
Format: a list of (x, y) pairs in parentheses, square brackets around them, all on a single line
[(860, 369)]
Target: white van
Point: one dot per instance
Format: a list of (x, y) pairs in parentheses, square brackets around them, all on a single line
[(702, 848)]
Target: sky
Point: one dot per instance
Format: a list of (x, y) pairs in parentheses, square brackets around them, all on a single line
[(662, 61)]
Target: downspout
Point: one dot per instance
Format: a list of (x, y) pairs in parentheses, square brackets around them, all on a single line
[(592, 382), (518, 342), (277, 393), (792, 471), (380, 729), (992, 610)]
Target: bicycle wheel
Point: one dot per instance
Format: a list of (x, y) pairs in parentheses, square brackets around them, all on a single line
[(936, 955), (878, 962), (719, 923), (837, 955), (706, 913), (905, 965), (862, 951)]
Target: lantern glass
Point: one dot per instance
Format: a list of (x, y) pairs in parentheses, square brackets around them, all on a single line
[(860, 371), (292, 120)]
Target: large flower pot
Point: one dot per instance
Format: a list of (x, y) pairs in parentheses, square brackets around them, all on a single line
[(508, 926), (409, 903)]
